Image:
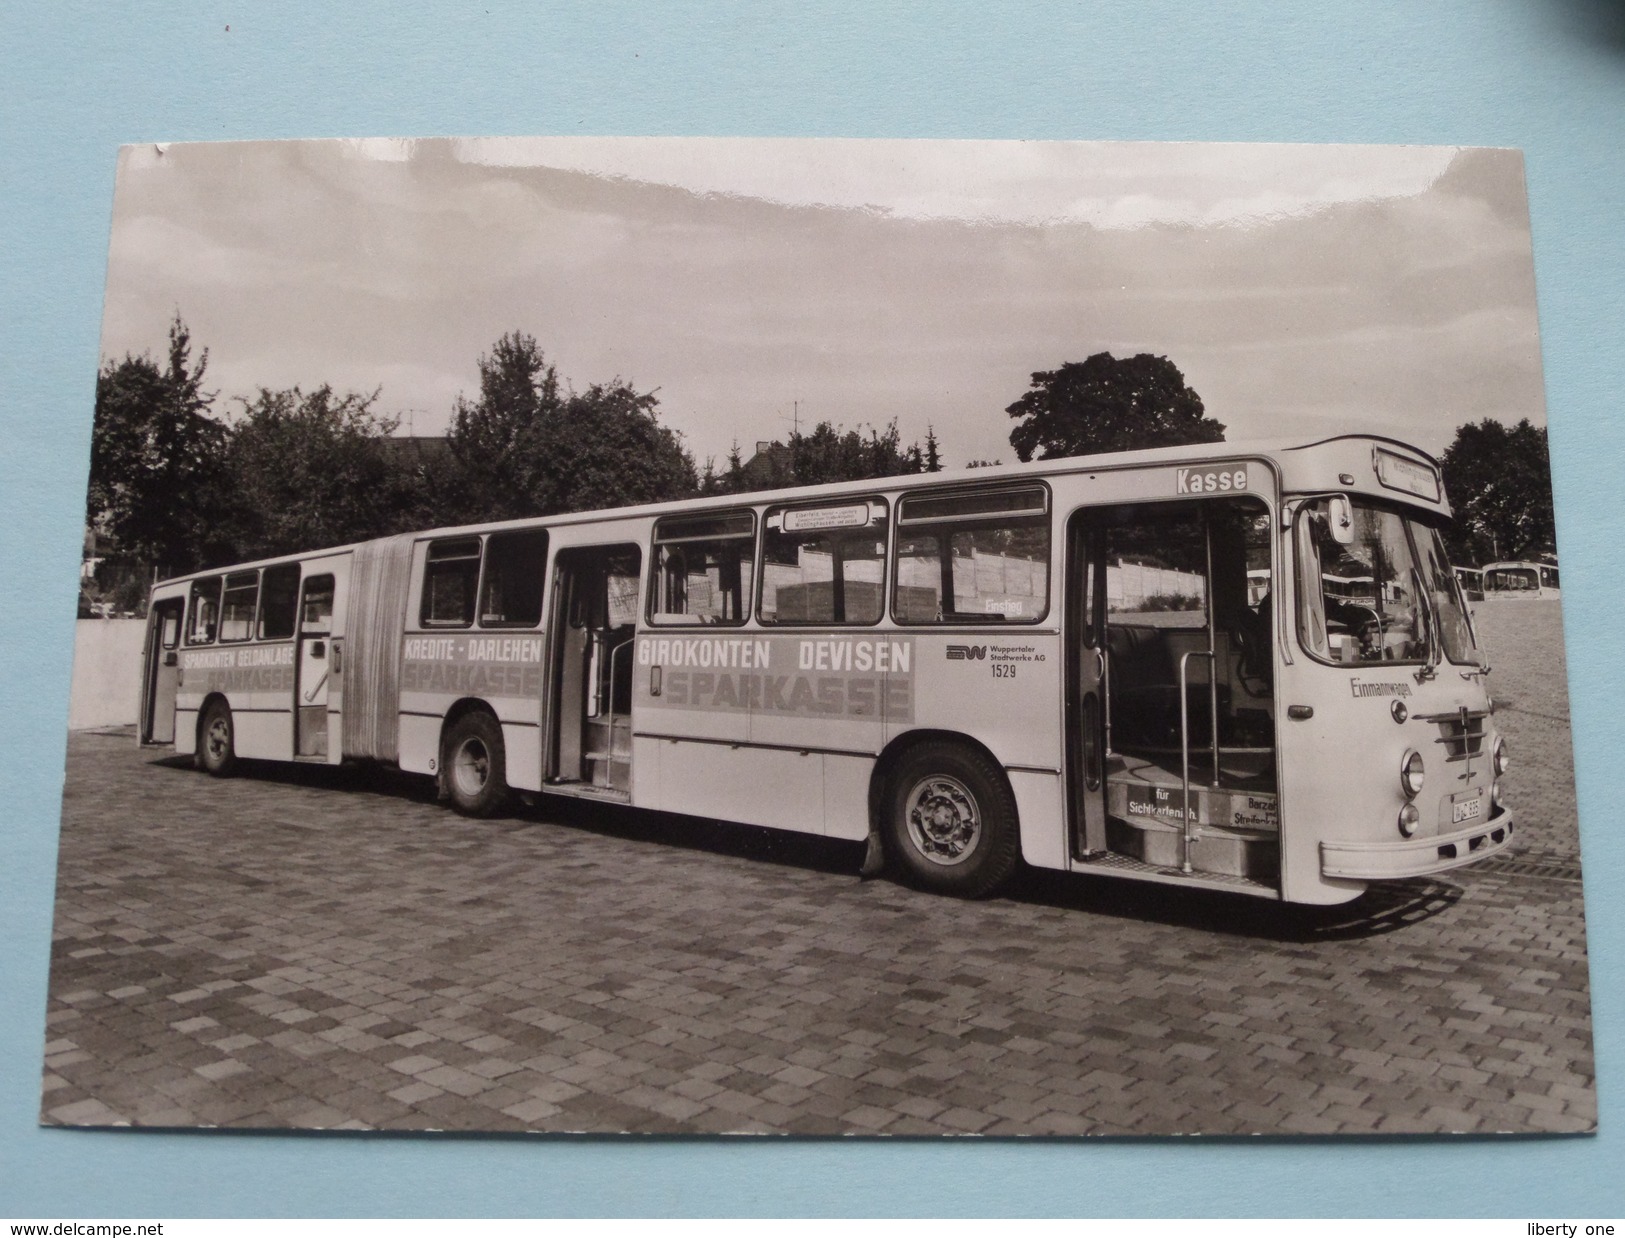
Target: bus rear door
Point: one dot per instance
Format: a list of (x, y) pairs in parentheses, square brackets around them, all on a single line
[(162, 675), (313, 682)]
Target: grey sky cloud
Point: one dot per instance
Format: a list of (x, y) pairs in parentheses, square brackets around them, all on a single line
[(1302, 290)]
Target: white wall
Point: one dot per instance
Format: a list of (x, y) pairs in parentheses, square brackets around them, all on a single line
[(1128, 585), (106, 673)]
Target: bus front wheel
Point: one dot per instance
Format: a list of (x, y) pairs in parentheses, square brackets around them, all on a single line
[(476, 766), (951, 823), (217, 741)]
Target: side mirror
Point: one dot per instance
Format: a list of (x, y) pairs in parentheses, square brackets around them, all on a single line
[(1340, 517)]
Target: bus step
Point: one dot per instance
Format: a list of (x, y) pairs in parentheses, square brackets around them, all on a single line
[(1214, 850), (589, 790), (1111, 864)]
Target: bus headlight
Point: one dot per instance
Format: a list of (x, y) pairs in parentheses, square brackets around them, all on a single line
[(1411, 774), (1408, 819), (1502, 761)]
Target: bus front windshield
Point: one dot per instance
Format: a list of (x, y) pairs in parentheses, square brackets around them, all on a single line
[(1387, 595), (1512, 580)]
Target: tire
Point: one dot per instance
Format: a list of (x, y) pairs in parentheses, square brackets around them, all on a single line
[(476, 766), (951, 820), (217, 741)]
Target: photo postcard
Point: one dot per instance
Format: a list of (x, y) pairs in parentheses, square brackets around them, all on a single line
[(732, 636)]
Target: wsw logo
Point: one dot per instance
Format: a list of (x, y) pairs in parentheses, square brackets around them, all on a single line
[(967, 653)]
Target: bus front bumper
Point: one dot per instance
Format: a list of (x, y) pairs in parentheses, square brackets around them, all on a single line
[(1417, 857)]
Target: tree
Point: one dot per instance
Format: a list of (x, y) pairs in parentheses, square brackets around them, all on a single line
[(501, 470), (826, 454), (606, 448), (1499, 484), (529, 447), (155, 458), (1109, 404), (933, 454), (731, 481), (307, 470)]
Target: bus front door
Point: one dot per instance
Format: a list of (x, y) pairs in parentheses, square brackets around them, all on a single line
[(1170, 638), (314, 667), (162, 672)]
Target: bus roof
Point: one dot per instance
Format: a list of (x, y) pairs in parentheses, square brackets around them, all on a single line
[(1343, 462)]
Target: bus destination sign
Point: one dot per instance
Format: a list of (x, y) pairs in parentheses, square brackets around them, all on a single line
[(812, 519), (1226, 479), (1399, 472)]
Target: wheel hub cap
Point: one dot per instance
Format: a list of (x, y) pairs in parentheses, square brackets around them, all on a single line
[(944, 822), (473, 765)]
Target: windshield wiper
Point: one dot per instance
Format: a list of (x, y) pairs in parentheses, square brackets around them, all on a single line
[(1430, 667)]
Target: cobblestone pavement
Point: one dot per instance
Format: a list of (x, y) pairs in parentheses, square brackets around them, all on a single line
[(1524, 644), (316, 948)]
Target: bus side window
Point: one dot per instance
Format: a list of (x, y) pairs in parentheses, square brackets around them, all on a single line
[(976, 557), (511, 589), (621, 588), (237, 606), (449, 579), (703, 569), (318, 612), (824, 565), (279, 602), (172, 629), (203, 612)]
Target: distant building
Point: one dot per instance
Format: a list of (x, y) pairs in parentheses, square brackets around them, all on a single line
[(768, 464)]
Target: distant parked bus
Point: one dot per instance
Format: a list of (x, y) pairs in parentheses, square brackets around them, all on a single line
[(1472, 583), (1522, 580), (1245, 668)]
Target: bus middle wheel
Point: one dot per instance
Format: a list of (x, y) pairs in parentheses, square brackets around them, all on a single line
[(951, 820), (476, 766), (217, 741)]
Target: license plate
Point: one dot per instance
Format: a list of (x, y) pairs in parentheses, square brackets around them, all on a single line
[(1466, 810)]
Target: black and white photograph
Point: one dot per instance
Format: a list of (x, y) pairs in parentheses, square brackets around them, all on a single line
[(722, 636)]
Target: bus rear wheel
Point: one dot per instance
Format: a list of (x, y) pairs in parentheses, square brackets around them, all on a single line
[(476, 766), (951, 820), (217, 741)]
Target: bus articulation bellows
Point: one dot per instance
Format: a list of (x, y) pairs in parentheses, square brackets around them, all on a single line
[(1246, 667)]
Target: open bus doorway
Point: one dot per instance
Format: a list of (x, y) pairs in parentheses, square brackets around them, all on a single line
[(595, 600), (314, 682), (1171, 701), (163, 671)]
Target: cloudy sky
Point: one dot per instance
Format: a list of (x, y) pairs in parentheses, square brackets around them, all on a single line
[(1302, 290)]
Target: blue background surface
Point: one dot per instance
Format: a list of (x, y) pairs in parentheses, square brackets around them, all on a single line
[(77, 80)]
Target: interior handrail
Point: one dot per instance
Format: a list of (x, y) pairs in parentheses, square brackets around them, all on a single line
[(1188, 832), (624, 646)]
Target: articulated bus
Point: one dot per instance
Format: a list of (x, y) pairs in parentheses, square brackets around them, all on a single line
[(1236, 667), (1521, 580)]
